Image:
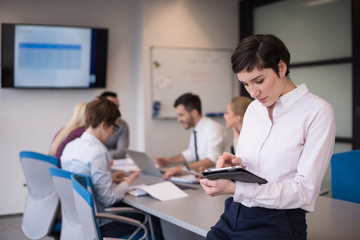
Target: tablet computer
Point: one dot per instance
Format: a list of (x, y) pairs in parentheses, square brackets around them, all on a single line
[(236, 173)]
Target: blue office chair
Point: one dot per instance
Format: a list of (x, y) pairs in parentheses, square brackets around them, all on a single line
[(85, 209), (70, 224), (42, 200), (345, 177)]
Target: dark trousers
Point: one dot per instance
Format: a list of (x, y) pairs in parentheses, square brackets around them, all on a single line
[(118, 229), (241, 222)]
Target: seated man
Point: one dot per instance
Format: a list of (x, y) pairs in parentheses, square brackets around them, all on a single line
[(207, 142), (119, 141), (88, 155)]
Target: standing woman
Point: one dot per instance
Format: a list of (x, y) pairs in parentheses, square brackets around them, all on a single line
[(234, 116), (287, 137)]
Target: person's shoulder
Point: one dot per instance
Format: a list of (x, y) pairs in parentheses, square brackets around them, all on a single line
[(123, 125), (314, 102), (207, 120), (89, 147), (79, 130), (75, 142), (211, 123), (71, 148), (122, 122), (88, 140), (76, 133), (255, 107)]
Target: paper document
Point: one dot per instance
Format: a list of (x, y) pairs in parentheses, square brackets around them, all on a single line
[(124, 164), (163, 191)]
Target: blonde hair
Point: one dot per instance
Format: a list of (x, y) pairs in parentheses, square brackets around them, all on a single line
[(77, 120), (239, 105)]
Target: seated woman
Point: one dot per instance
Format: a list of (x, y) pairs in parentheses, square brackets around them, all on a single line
[(234, 116), (88, 155), (71, 131)]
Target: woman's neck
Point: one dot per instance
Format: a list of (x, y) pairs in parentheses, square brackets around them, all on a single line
[(238, 126), (289, 86)]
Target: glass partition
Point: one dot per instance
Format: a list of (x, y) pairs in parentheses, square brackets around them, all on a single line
[(311, 31)]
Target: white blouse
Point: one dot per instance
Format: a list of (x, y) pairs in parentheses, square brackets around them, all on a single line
[(292, 152)]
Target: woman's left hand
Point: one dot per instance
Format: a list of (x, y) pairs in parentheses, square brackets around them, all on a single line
[(218, 187)]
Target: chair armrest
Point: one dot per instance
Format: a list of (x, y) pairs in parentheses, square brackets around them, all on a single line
[(126, 220), (119, 219), (115, 210)]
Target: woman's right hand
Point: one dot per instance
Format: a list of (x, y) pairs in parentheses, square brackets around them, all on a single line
[(228, 160), (218, 187)]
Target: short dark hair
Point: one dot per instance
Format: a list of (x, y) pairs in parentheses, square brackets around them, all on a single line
[(260, 51), (190, 102), (101, 110), (108, 94)]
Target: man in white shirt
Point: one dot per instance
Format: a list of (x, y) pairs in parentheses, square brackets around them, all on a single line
[(207, 141)]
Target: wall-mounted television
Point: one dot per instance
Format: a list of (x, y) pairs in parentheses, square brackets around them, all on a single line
[(50, 56)]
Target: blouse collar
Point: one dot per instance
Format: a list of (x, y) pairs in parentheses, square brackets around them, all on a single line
[(291, 97)]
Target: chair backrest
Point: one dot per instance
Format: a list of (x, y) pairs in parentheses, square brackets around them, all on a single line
[(42, 200), (85, 208), (70, 227), (345, 177)]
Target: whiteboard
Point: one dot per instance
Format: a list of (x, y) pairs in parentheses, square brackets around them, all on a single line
[(204, 72)]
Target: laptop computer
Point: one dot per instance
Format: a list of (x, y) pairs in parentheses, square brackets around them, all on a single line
[(143, 161)]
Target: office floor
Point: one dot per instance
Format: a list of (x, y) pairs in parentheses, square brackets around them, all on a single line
[(10, 228)]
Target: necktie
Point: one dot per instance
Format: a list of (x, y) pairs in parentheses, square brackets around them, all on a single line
[(195, 144)]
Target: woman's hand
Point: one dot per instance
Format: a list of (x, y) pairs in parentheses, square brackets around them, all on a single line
[(218, 187), (228, 160), (118, 177), (132, 177)]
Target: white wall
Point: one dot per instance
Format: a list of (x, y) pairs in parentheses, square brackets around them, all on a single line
[(30, 118), (186, 23), (195, 24)]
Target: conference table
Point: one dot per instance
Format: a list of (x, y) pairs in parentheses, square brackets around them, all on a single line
[(332, 218)]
